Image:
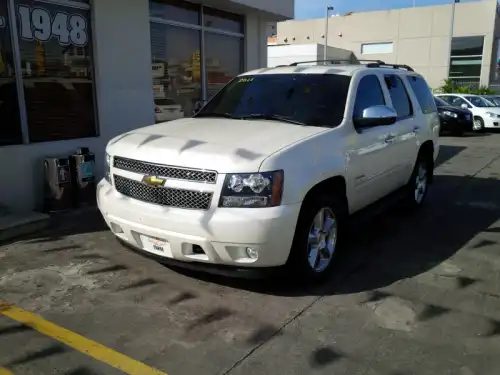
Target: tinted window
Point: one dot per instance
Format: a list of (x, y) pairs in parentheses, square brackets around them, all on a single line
[(164, 102), (10, 123), (369, 93), (457, 101), (399, 96), (423, 94), (440, 102), (311, 99), (477, 101)]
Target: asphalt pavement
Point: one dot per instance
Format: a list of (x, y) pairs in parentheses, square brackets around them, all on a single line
[(410, 294)]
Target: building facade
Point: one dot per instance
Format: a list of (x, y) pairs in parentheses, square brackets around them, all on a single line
[(75, 73), (419, 37)]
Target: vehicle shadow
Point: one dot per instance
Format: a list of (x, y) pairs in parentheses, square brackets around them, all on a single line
[(396, 245)]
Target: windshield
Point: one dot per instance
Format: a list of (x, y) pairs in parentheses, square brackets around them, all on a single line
[(493, 100), (477, 101), (305, 99), (440, 102)]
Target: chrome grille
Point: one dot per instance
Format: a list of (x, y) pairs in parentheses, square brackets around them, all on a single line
[(164, 196), (167, 171)]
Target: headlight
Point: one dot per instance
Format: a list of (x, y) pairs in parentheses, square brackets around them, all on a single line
[(252, 190), (107, 168), (450, 114), (493, 115)]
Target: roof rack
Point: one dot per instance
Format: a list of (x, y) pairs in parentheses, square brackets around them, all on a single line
[(393, 66), (368, 63)]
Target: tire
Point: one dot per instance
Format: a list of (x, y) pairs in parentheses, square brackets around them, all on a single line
[(478, 125), (314, 263), (417, 187)]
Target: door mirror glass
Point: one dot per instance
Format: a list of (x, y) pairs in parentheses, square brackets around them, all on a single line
[(464, 106), (377, 115)]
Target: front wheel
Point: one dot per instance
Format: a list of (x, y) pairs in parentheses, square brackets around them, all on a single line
[(478, 124), (316, 240)]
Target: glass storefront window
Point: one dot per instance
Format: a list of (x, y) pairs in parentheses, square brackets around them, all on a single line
[(56, 61), (178, 10), (223, 60), (222, 20), (465, 66), (176, 68), (467, 46), (10, 123)]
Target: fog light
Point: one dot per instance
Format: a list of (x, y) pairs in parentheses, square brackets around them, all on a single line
[(116, 228), (252, 253)]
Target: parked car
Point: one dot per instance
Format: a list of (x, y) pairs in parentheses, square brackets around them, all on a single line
[(493, 99), (167, 110), (453, 119), (268, 172), (485, 114)]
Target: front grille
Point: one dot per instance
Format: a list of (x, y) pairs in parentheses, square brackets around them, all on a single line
[(167, 171), (163, 196)]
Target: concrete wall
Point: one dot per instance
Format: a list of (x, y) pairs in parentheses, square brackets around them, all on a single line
[(123, 89), (288, 54), (421, 35)]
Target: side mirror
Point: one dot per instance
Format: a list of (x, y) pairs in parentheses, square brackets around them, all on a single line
[(199, 105), (464, 106), (377, 115)]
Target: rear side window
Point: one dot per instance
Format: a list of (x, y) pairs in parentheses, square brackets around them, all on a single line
[(399, 96), (423, 94), (369, 93)]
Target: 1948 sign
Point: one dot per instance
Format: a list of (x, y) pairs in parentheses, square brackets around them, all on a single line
[(38, 24)]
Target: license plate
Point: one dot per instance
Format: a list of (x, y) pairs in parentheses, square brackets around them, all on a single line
[(156, 245)]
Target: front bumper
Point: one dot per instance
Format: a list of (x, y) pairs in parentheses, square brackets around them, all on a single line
[(490, 122), (218, 236)]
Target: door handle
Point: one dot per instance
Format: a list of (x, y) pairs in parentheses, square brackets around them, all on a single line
[(390, 138), (416, 130)]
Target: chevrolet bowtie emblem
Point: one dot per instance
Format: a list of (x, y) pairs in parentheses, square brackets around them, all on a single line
[(153, 181)]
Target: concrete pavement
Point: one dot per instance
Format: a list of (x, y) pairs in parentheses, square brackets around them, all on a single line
[(412, 294)]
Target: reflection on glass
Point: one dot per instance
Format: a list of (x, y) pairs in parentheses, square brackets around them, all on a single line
[(465, 66), (176, 68), (467, 46), (57, 71), (10, 124), (223, 60), (177, 10), (222, 20)]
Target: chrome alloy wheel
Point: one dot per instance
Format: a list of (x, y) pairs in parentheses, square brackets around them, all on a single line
[(476, 125), (420, 183), (322, 240)]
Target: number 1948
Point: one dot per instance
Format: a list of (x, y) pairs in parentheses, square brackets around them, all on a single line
[(38, 24)]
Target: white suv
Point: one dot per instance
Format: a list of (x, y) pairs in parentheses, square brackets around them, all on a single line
[(267, 172)]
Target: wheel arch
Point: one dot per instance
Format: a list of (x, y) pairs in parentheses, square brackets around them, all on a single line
[(336, 184), (427, 148)]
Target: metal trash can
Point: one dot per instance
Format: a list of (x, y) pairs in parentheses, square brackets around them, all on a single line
[(58, 191), (83, 177)]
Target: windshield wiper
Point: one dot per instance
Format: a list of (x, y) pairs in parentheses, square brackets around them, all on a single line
[(217, 114), (264, 116)]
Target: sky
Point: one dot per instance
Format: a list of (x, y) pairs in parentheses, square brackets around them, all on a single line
[(317, 8)]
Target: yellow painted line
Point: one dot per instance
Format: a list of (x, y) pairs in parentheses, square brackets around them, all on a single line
[(77, 342), (4, 371)]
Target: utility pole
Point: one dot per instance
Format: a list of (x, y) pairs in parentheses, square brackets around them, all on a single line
[(453, 3), (328, 9)]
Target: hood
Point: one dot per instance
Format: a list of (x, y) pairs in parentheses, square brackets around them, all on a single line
[(224, 145), (453, 109)]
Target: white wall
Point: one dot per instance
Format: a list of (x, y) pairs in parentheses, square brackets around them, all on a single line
[(124, 99), (288, 54)]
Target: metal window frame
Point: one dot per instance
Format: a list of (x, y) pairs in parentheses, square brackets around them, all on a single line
[(203, 29), (16, 54)]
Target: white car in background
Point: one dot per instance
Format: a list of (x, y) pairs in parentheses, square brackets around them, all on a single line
[(167, 110), (486, 114)]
